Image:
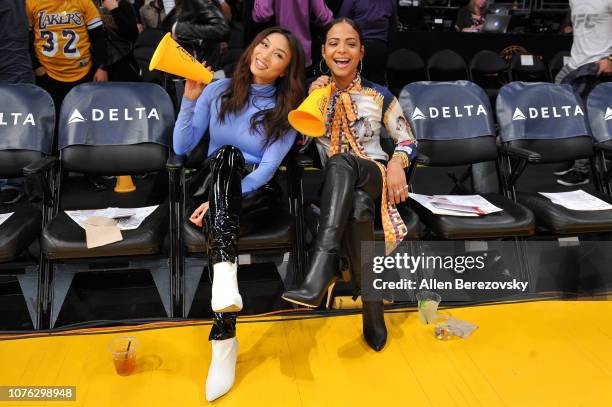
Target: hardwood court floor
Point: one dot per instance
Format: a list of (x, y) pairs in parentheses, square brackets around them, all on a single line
[(549, 353)]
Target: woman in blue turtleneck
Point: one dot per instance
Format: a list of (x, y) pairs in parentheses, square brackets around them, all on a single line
[(246, 117)]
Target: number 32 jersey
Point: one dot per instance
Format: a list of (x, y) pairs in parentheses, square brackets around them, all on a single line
[(61, 40)]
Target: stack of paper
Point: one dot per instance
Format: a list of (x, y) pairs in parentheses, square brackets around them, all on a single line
[(456, 205), (577, 201), (126, 218)]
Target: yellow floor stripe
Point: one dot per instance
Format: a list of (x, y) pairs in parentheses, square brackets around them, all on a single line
[(549, 353)]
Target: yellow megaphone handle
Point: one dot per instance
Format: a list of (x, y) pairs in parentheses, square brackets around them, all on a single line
[(124, 184)]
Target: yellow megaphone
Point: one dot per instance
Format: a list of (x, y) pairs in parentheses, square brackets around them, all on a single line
[(309, 117), (170, 57)]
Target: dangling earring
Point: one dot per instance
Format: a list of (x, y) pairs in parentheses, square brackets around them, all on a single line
[(360, 67), (321, 68)]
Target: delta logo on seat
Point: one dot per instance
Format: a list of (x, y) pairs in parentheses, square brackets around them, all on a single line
[(608, 114), (449, 112), (552, 112), (17, 119), (114, 115)]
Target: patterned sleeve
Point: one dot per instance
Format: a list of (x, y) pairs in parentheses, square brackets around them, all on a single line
[(399, 129), (91, 15)]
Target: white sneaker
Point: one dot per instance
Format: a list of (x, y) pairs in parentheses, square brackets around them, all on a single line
[(222, 370), (225, 295)]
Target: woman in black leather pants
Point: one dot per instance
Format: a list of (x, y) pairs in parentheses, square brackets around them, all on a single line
[(246, 117), (357, 173)]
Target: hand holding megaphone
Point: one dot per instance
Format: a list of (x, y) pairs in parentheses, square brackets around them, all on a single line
[(309, 117), (170, 57)]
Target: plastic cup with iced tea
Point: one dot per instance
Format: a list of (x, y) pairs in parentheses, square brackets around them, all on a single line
[(123, 350)]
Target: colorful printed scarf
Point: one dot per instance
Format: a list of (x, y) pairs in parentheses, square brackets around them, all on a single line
[(343, 116)]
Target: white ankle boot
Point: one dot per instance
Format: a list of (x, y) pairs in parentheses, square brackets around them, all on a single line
[(222, 370), (225, 295)]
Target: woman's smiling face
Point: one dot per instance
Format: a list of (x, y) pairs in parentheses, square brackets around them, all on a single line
[(342, 51), (270, 58)]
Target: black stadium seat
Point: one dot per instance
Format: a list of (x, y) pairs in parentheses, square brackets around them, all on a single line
[(453, 125), (109, 129), (488, 70), (546, 123), (403, 67), (557, 62), (528, 68), (447, 65), (28, 119), (599, 110)]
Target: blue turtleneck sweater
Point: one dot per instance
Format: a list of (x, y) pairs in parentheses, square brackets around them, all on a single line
[(197, 116)]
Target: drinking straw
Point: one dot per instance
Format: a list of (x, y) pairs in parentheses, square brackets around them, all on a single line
[(127, 351)]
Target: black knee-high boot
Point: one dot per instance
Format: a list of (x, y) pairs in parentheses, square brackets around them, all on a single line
[(336, 203), (361, 229)]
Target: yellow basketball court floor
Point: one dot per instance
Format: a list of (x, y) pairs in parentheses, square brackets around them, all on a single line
[(546, 353)]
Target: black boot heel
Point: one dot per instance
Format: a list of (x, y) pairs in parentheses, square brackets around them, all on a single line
[(318, 283)]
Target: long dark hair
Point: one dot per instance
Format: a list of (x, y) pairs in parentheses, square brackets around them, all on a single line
[(289, 89)]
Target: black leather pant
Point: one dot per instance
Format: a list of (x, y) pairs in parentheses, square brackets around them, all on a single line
[(222, 222), (226, 168)]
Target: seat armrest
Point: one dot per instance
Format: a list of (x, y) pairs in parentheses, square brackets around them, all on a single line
[(175, 162), (421, 159), (606, 147), (303, 160), (40, 166), (518, 152)]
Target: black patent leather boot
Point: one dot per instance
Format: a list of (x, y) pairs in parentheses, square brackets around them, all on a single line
[(336, 203), (357, 231)]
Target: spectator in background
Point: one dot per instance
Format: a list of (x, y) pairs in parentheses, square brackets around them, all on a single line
[(471, 17), (295, 16), (566, 24), (376, 20), (15, 64), (199, 26), (152, 14), (590, 64), (226, 10), (69, 45), (334, 6), (15, 67), (122, 32)]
